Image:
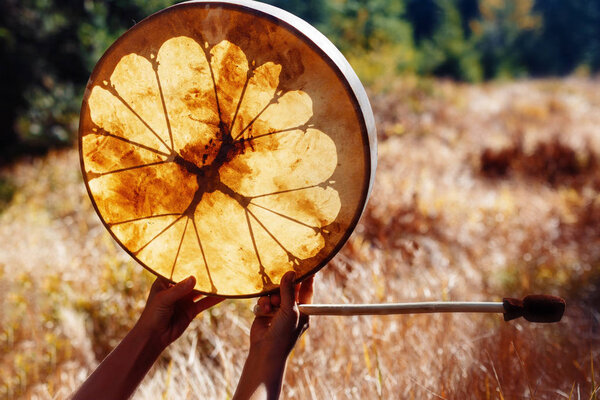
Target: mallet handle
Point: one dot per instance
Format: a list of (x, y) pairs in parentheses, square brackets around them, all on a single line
[(534, 308), (402, 308)]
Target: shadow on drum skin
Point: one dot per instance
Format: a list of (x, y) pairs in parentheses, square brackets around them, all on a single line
[(220, 151), (262, 134)]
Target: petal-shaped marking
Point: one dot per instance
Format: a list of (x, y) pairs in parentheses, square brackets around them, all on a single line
[(314, 206), (230, 69), (292, 109), (162, 252), (292, 160), (191, 262), (110, 114), (275, 258), (299, 240), (137, 234), (227, 244), (259, 92), (134, 80), (103, 154), (153, 190), (189, 94)]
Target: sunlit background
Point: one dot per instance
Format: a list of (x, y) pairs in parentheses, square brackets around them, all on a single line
[(488, 186)]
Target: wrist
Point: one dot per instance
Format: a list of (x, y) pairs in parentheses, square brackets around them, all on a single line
[(262, 375), (266, 364), (268, 355), (148, 339), (123, 369)]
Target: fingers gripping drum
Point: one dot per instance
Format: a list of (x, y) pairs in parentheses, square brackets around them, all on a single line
[(287, 302)]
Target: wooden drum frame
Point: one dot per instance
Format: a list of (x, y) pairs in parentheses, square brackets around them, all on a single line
[(228, 140)]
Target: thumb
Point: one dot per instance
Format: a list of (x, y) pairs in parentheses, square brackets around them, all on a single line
[(287, 291), (306, 291), (286, 317), (179, 291)]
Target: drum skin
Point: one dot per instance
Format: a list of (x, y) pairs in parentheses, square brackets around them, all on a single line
[(228, 140)]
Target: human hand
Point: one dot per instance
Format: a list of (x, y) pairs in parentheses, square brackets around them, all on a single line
[(168, 312), (272, 338), (171, 308), (277, 333)]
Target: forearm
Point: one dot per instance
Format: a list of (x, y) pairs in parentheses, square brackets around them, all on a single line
[(123, 369), (261, 377)]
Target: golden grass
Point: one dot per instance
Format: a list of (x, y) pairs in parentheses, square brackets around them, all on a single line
[(481, 192)]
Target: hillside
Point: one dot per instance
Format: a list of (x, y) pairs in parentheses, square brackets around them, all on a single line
[(482, 192)]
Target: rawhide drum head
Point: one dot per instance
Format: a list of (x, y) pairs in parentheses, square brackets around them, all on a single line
[(228, 140)]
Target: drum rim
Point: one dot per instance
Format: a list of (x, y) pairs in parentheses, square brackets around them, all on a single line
[(322, 46)]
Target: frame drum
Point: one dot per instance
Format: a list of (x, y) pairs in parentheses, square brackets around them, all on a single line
[(228, 140)]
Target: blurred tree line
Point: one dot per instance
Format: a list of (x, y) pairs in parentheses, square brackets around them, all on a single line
[(49, 47)]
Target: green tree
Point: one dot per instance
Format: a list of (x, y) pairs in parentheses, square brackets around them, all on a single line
[(450, 51), (47, 51), (569, 37), (367, 24), (425, 17), (500, 33), (374, 36)]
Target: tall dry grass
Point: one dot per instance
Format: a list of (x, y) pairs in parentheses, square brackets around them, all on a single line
[(481, 192)]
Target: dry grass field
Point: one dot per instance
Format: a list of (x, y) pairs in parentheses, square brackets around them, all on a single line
[(482, 192)]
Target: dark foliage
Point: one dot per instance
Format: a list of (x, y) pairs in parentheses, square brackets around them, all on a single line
[(48, 48), (47, 51)]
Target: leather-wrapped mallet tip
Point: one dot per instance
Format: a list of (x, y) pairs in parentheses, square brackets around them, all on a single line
[(535, 308)]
